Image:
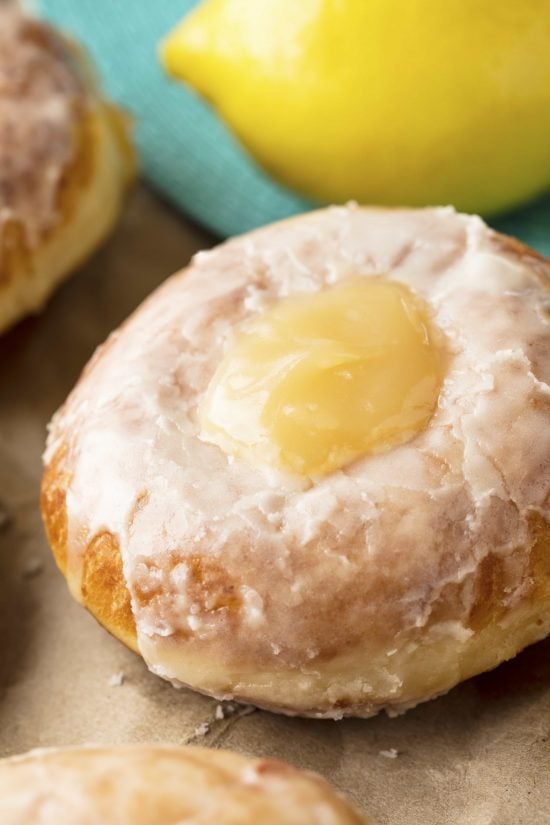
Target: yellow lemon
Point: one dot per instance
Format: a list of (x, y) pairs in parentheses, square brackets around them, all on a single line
[(389, 101)]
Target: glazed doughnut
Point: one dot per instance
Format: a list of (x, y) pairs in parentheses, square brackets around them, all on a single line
[(161, 785), (406, 552), (65, 162)]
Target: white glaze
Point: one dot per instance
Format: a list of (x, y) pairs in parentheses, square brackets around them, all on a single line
[(375, 544)]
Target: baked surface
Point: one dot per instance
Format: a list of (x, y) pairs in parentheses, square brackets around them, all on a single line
[(161, 785), (65, 162), (378, 586)]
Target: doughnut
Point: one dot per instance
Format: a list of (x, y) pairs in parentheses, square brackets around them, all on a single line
[(163, 785), (65, 162), (311, 472)]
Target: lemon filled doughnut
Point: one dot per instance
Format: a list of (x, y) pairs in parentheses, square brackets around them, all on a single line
[(312, 471), (162, 785), (65, 162)]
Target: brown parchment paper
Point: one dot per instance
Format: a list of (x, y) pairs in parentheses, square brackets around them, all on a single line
[(478, 756)]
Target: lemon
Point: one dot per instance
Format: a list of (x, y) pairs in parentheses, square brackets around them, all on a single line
[(389, 101)]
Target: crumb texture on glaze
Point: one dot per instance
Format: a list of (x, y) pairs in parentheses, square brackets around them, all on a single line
[(65, 161), (162, 785), (378, 586)]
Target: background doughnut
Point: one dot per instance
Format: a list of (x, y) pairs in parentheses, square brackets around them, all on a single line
[(65, 162), (163, 785)]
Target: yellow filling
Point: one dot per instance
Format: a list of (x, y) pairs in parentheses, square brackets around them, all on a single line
[(316, 381)]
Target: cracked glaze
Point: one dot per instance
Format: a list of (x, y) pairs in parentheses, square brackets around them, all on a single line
[(316, 595)]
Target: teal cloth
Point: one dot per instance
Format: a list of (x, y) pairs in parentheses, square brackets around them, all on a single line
[(186, 151)]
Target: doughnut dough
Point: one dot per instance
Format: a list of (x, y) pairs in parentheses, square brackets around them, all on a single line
[(65, 162), (376, 586), (161, 785)]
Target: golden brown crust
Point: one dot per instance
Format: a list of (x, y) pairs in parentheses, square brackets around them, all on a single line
[(163, 785), (539, 560), (102, 589), (57, 139), (53, 505)]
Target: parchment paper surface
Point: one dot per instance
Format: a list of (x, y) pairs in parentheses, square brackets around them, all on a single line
[(478, 756)]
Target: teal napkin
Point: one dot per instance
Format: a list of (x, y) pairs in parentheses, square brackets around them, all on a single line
[(186, 151)]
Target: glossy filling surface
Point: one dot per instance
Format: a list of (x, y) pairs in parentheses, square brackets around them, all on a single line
[(316, 381)]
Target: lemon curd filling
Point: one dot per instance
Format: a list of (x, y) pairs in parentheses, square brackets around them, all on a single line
[(316, 381)]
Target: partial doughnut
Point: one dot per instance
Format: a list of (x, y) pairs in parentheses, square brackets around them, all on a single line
[(163, 785), (65, 162)]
